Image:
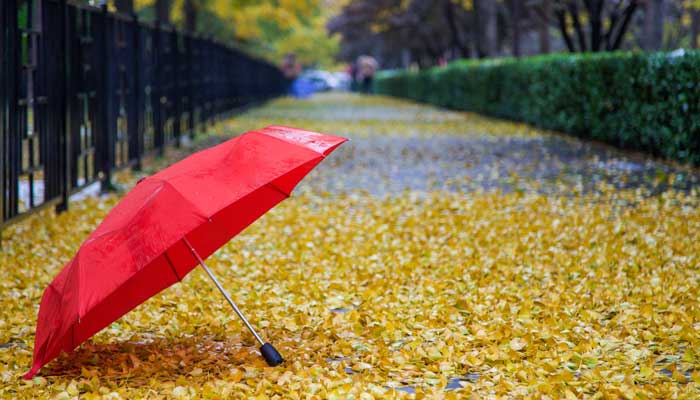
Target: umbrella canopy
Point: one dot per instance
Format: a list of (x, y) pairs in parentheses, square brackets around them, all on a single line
[(143, 245)]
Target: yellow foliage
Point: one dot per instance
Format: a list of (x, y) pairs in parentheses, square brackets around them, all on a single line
[(139, 4), (691, 4), (273, 29), (269, 29), (466, 4), (310, 44), (498, 295)]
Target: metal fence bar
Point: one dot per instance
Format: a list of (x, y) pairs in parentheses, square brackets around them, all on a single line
[(65, 109), (104, 129), (135, 134), (84, 91)]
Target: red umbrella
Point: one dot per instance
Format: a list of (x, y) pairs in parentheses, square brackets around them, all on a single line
[(166, 226)]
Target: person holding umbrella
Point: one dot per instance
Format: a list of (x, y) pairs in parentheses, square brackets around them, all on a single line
[(366, 68)]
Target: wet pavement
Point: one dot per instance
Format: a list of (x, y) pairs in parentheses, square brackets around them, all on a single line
[(397, 145)]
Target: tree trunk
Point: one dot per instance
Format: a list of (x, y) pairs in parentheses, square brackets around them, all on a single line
[(694, 28), (623, 26), (406, 58), (478, 35), (578, 28), (191, 13), (543, 27), (488, 25), (455, 37), (595, 12), (563, 29), (163, 12), (430, 49), (515, 15), (654, 24), (124, 6)]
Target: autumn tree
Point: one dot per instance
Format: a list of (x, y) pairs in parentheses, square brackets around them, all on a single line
[(424, 31), (125, 6), (402, 32), (607, 23), (378, 28), (486, 27), (162, 8), (191, 12), (541, 12), (453, 12), (654, 12), (274, 28), (692, 7), (265, 28), (515, 11)]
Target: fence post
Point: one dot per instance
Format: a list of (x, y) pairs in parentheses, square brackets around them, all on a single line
[(105, 101), (190, 85), (3, 103), (157, 91), (11, 64), (176, 84), (4, 97), (136, 94), (66, 110)]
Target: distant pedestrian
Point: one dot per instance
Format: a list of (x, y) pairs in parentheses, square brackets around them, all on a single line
[(352, 73), (291, 69), (366, 68)]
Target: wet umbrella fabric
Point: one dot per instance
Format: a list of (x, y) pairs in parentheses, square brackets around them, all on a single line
[(143, 245)]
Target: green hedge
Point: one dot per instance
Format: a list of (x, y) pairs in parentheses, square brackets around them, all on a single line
[(644, 101)]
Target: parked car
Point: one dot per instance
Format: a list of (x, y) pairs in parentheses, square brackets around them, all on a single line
[(320, 80), (343, 80)]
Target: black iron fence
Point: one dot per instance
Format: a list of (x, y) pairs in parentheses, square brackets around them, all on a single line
[(85, 91)]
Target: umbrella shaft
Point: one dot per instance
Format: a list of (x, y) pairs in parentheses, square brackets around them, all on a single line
[(225, 293)]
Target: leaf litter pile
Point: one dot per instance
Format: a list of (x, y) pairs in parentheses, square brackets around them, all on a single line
[(438, 254)]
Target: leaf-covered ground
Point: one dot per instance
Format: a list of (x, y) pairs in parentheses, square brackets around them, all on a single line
[(438, 255)]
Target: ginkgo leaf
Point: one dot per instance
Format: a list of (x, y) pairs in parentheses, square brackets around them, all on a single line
[(554, 290)]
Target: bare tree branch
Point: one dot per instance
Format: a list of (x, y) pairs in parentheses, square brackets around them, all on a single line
[(454, 29), (595, 16), (628, 13), (573, 10), (561, 19)]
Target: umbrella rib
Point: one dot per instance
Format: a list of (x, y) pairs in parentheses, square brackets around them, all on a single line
[(167, 258), (285, 139), (272, 185)]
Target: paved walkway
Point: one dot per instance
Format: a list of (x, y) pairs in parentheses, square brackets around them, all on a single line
[(399, 145)]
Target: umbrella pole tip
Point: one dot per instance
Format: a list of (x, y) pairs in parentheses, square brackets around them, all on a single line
[(271, 355)]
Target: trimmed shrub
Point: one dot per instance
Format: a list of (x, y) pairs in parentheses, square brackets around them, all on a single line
[(642, 101)]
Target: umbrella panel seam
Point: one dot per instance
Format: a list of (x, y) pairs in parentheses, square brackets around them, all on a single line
[(170, 263)]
